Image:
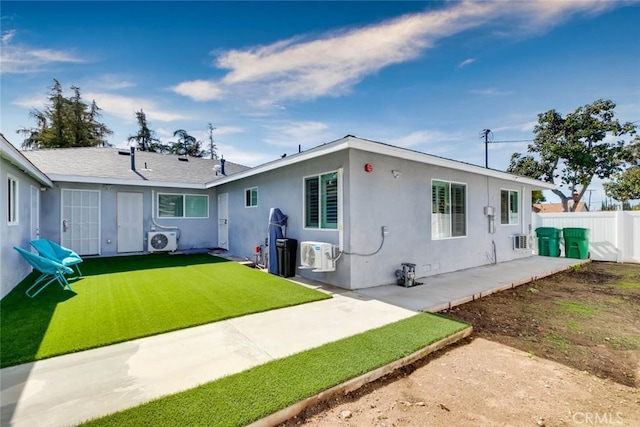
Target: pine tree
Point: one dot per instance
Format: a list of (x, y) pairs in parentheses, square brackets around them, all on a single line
[(65, 122), (145, 137)]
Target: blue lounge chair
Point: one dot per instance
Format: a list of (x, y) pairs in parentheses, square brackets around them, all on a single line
[(51, 271), (55, 252)]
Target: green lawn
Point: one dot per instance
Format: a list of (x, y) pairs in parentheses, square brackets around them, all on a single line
[(123, 298), (239, 399)]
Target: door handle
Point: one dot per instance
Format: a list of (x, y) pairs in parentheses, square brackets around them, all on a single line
[(65, 225)]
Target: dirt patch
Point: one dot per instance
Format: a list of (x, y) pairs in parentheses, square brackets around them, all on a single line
[(587, 318), (564, 350), (484, 383)]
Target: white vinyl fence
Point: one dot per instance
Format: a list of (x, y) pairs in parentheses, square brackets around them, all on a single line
[(613, 235)]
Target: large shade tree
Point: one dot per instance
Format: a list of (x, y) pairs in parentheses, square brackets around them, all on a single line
[(572, 150), (145, 139), (625, 186), (65, 122), (186, 145)]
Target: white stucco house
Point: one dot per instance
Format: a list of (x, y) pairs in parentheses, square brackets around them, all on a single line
[(440, 214)]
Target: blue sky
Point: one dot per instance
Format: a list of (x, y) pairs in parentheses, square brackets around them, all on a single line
[(271, 75)]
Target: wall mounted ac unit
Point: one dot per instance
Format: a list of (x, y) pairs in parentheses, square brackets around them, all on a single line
[(521, 241), (162, 241), (317, 256)]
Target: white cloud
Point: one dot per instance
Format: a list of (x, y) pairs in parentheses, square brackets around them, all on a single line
[(199, 90), (536, 16), (109, 82), (239, 155), (491, 91), (628, 112), (519, 126), (25, 59), (35, 101), (466, 62), (125, 107), (332, 64), (427, 137), (292, 134), (227, 130), (7, 36)]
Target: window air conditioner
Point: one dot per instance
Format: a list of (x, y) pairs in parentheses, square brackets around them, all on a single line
[(521, 241), (317, 256), (161, 241)]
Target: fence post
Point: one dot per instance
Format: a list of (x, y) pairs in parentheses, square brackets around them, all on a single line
[(620, 233)]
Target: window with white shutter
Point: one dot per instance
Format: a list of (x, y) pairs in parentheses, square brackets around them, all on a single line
[(448, 209), (321, 201)]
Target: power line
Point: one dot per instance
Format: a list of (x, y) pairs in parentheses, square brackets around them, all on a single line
[(488, 139), (512, 141)]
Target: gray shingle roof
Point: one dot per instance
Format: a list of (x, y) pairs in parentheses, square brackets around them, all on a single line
[(106, 163)]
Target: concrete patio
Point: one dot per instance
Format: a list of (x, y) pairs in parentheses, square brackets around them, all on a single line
[(444, 291), (67, 390)]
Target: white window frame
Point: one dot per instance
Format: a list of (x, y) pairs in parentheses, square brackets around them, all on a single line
[(184, 206), (320, 207), (250, 204), (513, 218), (450, 235), (13, 200)]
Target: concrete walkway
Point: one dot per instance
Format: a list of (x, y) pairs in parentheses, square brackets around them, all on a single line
[(69, 389), (448, 290)]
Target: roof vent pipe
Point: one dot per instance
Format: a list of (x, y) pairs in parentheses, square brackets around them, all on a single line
[(222, 162), (133, 158)]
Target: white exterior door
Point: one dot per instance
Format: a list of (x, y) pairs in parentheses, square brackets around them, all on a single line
[(223, 220), (130, 222), (80, 228), (35, 213)]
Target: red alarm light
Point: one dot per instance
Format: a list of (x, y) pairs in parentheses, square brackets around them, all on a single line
[(368, 167)]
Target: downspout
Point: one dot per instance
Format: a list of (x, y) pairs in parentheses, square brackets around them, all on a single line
[(521, 207), (492, 224), (341, 211)]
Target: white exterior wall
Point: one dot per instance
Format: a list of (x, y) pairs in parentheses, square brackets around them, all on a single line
[(283, 188), (370, 201), (613, 235), (194, 232), (404, 205), (13, 268)]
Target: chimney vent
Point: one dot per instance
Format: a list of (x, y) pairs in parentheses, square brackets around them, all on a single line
[(222, 162), (133, 158)]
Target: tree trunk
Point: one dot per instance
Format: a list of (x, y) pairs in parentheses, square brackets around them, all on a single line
[(563, 198)]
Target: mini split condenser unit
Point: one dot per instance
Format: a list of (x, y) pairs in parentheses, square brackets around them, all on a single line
[(317, 256), (163, 241)]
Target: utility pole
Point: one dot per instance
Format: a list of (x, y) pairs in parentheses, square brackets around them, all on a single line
[(589, 203), (211, 144), (485, 133)]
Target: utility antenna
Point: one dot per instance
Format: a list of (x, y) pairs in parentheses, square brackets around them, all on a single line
[(212, 146)]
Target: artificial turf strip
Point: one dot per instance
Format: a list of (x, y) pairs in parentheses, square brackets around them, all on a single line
[(123, 298), (245, 397)]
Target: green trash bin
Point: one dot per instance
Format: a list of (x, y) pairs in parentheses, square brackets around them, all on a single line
[(576, 242), (548, 241)]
